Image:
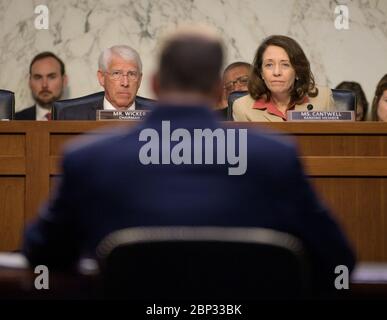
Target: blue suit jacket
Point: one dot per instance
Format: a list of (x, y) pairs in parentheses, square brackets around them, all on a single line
[(26, 114), (105, 188)]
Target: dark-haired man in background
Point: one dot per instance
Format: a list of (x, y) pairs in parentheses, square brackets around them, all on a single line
[(235, 78), (47, 81)]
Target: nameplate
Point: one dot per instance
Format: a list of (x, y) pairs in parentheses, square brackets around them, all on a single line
[(321, 115), (134, 115)]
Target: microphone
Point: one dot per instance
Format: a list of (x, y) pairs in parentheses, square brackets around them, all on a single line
[(309, 107)]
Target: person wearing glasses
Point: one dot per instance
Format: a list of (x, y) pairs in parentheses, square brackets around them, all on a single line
[(235, 78), (281, 80), (119, 73)]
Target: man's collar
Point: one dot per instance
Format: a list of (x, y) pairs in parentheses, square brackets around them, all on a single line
[(41, 112), (108, 106)]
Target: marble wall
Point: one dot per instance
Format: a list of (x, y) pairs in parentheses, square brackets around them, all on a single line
[(79, 29)]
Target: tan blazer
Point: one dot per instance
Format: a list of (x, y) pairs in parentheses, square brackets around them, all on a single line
[(243, 107)]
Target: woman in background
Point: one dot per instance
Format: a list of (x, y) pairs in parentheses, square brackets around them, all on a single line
[(280, 80), (379, 104), (361, 100)]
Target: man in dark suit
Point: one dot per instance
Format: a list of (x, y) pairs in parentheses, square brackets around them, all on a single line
[(235, 78), (47, 82), (157, 174), (85, 108), (120, 74)]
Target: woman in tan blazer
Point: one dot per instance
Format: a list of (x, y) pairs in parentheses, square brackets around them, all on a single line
[(280, 80), (379, 103)]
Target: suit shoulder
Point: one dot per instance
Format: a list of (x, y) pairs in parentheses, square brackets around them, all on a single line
[(81, 106), (245, 101), (241, 106), (324, 91), (324, 99), (26, 114)]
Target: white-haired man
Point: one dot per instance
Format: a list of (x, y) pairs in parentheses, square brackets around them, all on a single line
[(120, 74)]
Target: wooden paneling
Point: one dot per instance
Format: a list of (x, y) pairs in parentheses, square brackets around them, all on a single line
[(347, 163), (345, 166), (57, 141), (342, 145), (10, 165), (38, 170), (11, 212), (12, 145), (359, 205), (12, 154)]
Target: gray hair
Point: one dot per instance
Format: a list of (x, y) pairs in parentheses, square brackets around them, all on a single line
[(125, 52)]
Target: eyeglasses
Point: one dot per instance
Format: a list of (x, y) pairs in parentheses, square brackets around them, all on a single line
[(242, 81), (117, 75)]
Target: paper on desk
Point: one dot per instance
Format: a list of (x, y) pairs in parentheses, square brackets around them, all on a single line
[(370, 272), (13, 260)]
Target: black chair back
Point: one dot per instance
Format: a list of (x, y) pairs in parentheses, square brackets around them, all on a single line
[(60, 105), (345, 100), (231, 98), (7, 104), (202, 263)]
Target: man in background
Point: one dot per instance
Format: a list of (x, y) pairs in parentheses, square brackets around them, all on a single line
[(47, 81), (120, 74), (235, 78)]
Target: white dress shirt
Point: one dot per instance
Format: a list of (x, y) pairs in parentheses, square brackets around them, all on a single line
[(108, 106), (41, 113)]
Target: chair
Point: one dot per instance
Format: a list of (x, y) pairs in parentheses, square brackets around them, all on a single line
[(7, 104), (231, 98), (345, 100), (59, 106), (92, 99), (202, 263)]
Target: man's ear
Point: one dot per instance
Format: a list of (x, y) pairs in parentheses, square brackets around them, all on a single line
[(101, 78), (156, 84), (29, 82), (65, 81)]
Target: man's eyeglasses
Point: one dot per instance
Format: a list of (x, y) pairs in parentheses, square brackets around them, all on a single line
[(117, 75), (242, 81)]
